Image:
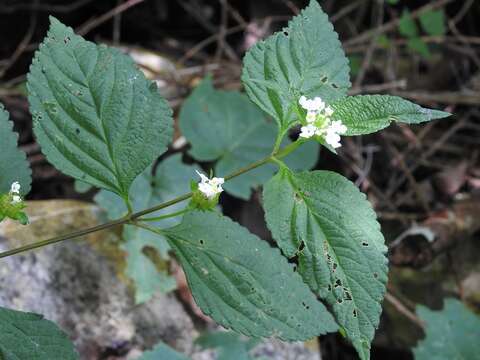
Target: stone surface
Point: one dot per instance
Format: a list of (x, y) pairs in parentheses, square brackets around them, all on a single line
[(278, 350), (77, 287)]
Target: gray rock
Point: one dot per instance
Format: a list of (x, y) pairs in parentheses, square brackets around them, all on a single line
[(279, 350), (76, 287)]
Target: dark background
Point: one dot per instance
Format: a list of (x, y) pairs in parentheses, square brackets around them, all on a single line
[(422, 176)]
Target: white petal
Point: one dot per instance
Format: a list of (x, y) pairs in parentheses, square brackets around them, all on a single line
[(338, 127), (207, 190), (308, 131), (303, 101), (202, 176), (318, 103), (217, 181), (15, 188), (333, 139), (311, 104), (328, 111)]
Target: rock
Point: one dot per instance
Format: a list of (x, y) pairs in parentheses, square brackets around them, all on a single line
[(271, 349), (76, 286), (279, 350), (163, 318)]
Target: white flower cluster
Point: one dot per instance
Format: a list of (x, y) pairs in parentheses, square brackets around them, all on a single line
[(15, 193), (319, 122), (210, 187)]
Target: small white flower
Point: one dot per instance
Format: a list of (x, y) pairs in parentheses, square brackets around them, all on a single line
[(319, 122), (332, 138), (312, 105), (338, 127), (16, 199), (308, 131), (15, 188), (210, 187), (328, 111), (217, 181)]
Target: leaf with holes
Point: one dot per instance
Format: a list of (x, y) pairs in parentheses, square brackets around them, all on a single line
[(172, 178), (451, 333), (95, 115), (306, 58), (150, 274), (322, 218), (243, 283), (226, 126), (30, 336), (13, 162), (365, 114)]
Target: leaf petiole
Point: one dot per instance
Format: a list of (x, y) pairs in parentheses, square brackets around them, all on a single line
[(149, 228), (166, 216)]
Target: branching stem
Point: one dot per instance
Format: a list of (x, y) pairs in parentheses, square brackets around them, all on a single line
[(132, 218)]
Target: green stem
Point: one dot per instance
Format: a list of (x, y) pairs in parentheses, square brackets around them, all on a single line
[(288, 149), (278, 142), (60, 238), (250, 167), (131, 218), (149, 228), (161, 217), (129, 206)]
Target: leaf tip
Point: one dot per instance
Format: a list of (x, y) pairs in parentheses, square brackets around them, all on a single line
[(437, 114), (54, 21)]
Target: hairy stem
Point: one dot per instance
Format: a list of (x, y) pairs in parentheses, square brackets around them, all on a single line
[(60, 238), (131, 218)]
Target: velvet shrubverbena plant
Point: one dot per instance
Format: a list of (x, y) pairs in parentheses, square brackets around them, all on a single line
[(99, 120)]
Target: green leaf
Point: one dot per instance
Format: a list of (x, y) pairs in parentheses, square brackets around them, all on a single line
[(383, 41), (141, 269), (243, 283), (451, 334), (13, 162), (433, 22), (162, 352), (355, 64), (226, 126), (419, 46), (306, 58), (229, 344), (96, 116), (222, 124), (81, 187), (322, 218), (365, 114), (172, 178), (27, 336), (407, 25)]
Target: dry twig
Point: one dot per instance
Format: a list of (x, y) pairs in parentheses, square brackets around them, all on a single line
[(89, 26)]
